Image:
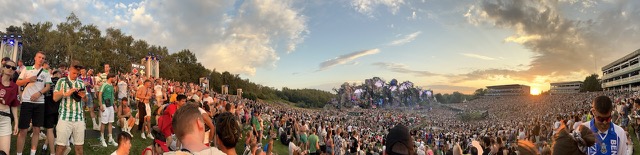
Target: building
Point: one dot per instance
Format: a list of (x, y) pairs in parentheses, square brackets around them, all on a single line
[(508, 90), (622, 74), (565, 87)]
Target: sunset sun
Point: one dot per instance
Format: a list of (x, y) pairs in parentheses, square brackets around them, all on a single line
[(535, 91)]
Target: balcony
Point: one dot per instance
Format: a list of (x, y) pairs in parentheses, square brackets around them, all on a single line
[(622, 71), (632, 79)]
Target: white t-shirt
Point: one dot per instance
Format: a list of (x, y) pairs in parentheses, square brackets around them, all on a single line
[(207, 99), (34, 87), (114, 152), (209, 151), (576, 125), (122, 89), (158, 90)]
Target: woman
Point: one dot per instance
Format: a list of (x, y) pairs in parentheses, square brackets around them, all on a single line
[(8, 101)]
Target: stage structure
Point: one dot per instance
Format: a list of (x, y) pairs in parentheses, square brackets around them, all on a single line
[(152, 65), (225, 89), (11, 46)]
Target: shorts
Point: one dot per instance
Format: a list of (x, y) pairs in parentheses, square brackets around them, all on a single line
[(50, 120), (31, 113), (74, 130), (323, 148), (89, 102), (147, 108), (5, 124), (329, 150), (107, 115)]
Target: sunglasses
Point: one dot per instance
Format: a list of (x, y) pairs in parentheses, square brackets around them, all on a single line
[(603, 119), (10, 67)]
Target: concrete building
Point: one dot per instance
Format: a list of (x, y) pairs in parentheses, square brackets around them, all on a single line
[(622, 74), (565, 87), (508, 90)]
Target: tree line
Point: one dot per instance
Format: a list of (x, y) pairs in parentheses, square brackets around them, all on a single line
[(72, 40)]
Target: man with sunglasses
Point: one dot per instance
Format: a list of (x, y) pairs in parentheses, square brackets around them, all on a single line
[(611, 139)]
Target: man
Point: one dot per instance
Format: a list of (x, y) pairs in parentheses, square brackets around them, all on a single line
[(207, 98), (51, 114), (165, 121), (122, 88), (611, 138), (36, 82), (20, 66), (105, 102), (399, 141), (227, 133), (143, 96), (124, 144), (314, 147), (69, 91), (189, 128), (158, 92), (88, 82)]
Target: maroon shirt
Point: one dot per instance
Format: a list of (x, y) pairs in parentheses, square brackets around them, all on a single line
[(9, 95)]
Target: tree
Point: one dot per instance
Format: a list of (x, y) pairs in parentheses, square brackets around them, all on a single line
[(591, 83), (480, 92)]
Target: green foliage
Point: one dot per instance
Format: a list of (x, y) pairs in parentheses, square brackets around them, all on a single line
[(591, 83), (71, 40), (455, 97)]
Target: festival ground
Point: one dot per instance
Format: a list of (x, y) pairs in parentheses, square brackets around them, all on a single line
[(92, 145)]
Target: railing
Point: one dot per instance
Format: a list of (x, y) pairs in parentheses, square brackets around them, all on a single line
[(631, 79), (621, 71)]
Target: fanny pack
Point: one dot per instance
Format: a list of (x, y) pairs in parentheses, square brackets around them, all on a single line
[(2, 113)]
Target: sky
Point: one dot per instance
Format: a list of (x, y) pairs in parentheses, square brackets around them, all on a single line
[(442, 45)]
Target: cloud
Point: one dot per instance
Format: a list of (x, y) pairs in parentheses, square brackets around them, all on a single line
[(367, 7), (407, 39), (223, 35), (401, 68), (561, 44), (471, 55), (343, 59)]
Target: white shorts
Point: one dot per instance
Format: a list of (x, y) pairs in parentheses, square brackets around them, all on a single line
[(5, 124), (107, 115), (148, 109), (66, 129)]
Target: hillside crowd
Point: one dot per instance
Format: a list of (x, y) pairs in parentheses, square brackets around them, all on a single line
[(185, 118)]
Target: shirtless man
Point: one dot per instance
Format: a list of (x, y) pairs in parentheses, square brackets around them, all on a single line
[(143, 96)]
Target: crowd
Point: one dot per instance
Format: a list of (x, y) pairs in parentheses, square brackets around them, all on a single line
[(184, 117)]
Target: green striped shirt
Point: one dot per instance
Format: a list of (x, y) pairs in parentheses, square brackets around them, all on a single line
[(69, 110)]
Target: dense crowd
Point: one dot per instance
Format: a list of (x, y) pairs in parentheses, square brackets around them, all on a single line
[(184, 117)]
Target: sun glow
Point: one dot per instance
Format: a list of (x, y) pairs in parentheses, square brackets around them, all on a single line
[(535, 91)]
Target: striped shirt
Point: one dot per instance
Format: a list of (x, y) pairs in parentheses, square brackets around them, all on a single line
[(69, 110)]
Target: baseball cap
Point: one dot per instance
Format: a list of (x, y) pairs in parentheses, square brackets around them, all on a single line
[(162, 144), (399, 142)]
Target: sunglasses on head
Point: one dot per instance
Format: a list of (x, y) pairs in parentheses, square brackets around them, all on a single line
[(10, 67)]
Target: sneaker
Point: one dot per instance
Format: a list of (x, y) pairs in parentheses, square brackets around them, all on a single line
[(113, 143), (142, 135), (150, 136), (102, 143), (95, 127)]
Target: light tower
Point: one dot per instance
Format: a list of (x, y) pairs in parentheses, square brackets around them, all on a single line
[(11, 46), (152, 63)]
